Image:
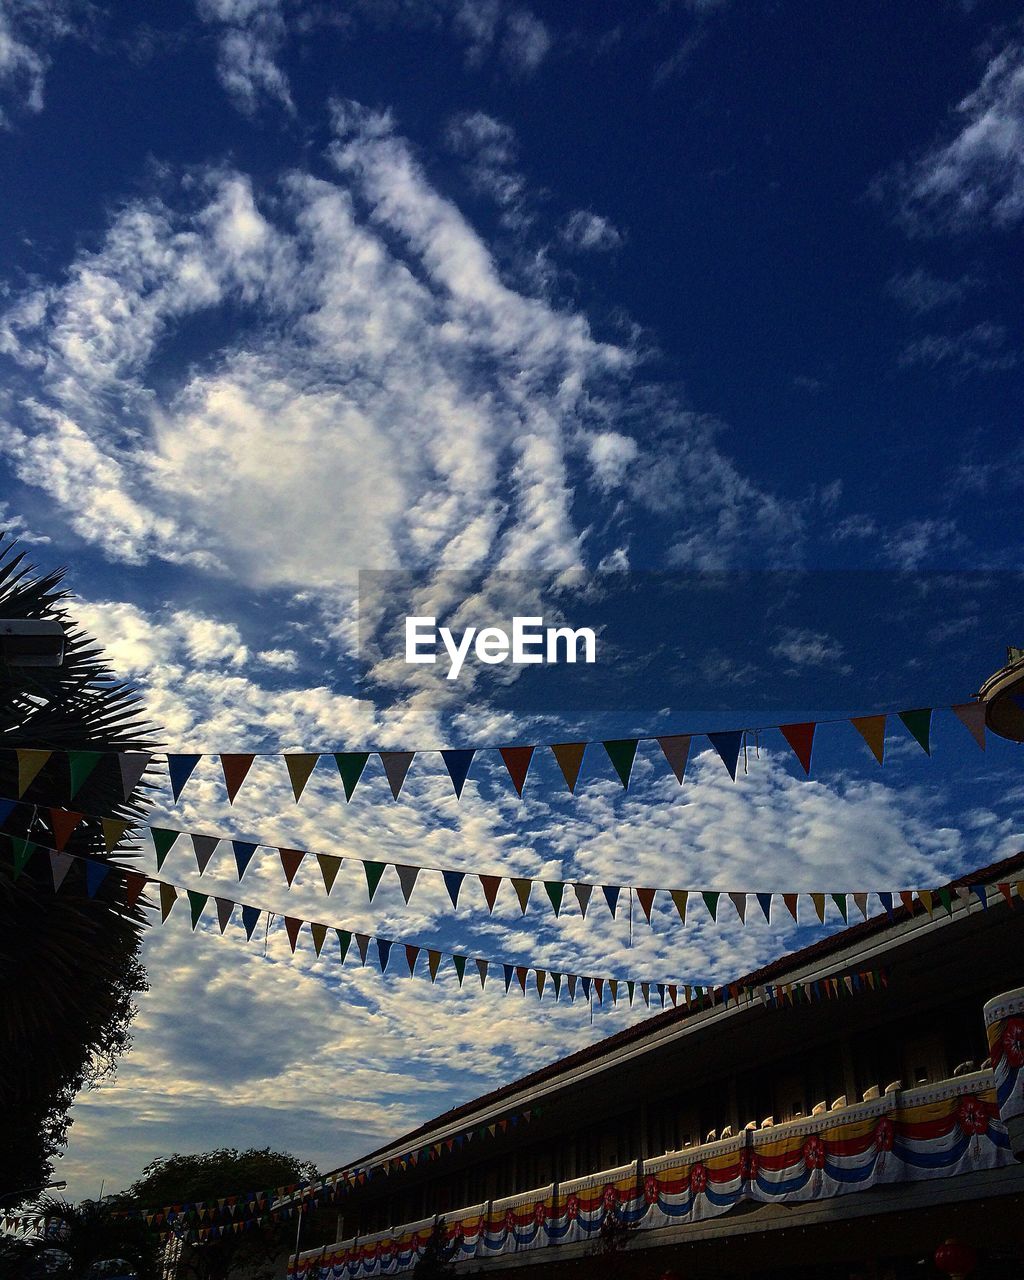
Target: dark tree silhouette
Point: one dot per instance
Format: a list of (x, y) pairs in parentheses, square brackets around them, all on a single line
[(70, 962), (184, 1179), (79, 1242)]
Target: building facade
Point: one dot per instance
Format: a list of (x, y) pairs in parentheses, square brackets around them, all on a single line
[(838, 1113)]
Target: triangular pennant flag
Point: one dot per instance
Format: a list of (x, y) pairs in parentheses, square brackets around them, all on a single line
[(344, 942), (631, 988), (133, 765), (679, 897), (196, 902), (622, 753), (926, 897), (790, 899), (396, 766), (872, 730), (235, 768), (162, 841), (23, 850), (711, 902), (646, 899), (571, 980), (411, 956), (168, 897), (539, 977), (918, 724), (113, 832), (293, 926), (522, 888), (363, 944), (555, 889), (886, 900), (972, 716), (585, 984), (319, 932), (30, 764), (373, 872), (180, 769), (613, 987), (840, 900), (481, 968), (509, 975), (330, 865), (517, 762), (611, 896), (861, 899), (300, 766), (819, 906), (522, 972), (205, 846), (351, 765), (801, 738), (458, 764), (63, 823), (225, 907), (764, 901), (291, 860), (453, 883), (81, 765), (490, 885), (583, 892), (645, 991), (60, 865), (946, 898), (981, 891), (1007, 893), (728, 747), (407, 880), (570, 760), (676, 750), (907, 898), (460, 967), (243, 851), (250, 919)]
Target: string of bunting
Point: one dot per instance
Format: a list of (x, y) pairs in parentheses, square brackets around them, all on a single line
[(621, 753), (64, 822)]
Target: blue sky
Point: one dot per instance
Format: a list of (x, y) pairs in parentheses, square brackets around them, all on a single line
[(294, 291)]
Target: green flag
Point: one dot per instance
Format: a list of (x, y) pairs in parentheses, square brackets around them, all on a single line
[(82, 764), (711, 902), (919, 724), (196, 902), (622, 752), (162, 841), (555, 889), (374, 871), (351, 765)]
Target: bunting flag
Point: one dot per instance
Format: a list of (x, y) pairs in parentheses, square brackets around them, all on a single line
[(243, 852), (622, 753), (872, 730), (81, 764), (300, 766), (63, 823), (351, 765), (676, 750), (801, 738), (972, 716), (205, 847), (453, 883), (31, 763), (569, 756), (291, 860), (180, 768), (396, 766), (235, 769), (329, 865), (918, 724), (60, 865), (407, 880), (517, 760), (458, 765), (728, 747), (133, 765)]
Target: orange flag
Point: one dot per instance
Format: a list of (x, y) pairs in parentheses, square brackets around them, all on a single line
[(570, 760), (872, 730)]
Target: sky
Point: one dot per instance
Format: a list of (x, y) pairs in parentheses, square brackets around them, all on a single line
[(509, 304)]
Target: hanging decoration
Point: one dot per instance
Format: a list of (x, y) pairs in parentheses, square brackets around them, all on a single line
[(620, 754), (204, 846)]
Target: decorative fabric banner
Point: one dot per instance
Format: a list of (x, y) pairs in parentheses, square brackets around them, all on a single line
[(517, 759)]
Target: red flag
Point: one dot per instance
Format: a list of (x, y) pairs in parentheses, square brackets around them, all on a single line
[(517, 762), (235, 768), (801, 738)]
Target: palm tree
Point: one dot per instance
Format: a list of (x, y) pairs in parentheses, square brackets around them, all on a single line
[(70, 962), (87, 1241)]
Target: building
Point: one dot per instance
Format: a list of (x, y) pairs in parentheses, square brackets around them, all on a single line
[(833, 1114)]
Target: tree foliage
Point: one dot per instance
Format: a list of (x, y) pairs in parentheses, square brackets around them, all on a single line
[(211, 1175), (70, 962), (80, 1242)]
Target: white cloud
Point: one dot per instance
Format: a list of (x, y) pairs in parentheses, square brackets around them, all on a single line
[(802, 647), (15, 526), (27, 30), (920, 291), (589, 232), (980, 348), (251, 35), (526, 42), (279, 659), (977, 177)]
